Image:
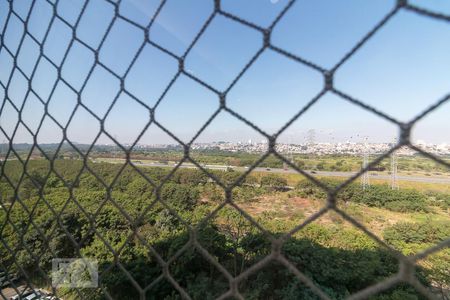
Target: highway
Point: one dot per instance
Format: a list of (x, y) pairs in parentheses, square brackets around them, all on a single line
[(412, 178)]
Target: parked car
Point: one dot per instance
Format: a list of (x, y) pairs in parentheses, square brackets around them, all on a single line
[(22, 295), (32, 295)]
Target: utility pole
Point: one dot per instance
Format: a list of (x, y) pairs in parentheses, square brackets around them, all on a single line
[(290, 156), (394, 176), (365, 182), (311, 137), (115, 147)]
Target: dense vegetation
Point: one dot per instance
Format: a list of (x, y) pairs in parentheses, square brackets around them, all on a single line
[(404, 200), (340, 260)]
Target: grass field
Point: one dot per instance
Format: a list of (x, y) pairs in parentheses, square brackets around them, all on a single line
[(293, 179)]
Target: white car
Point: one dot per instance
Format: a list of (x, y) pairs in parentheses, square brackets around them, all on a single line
[(34, 295)]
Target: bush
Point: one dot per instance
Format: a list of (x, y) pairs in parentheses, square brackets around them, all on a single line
[(428, 232), (404, 200), (439, 199), (180, 196), (189, 176), (306, 188), (274, 182)]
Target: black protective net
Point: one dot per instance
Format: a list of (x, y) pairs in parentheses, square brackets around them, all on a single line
[(59, 225)]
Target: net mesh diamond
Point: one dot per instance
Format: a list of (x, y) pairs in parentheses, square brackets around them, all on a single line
[(21, 26)]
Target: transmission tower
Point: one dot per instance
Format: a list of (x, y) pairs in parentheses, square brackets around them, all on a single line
[(311, 137), (365, 182), (394, 176)]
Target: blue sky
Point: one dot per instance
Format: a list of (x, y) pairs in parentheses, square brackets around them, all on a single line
[(402, 70)]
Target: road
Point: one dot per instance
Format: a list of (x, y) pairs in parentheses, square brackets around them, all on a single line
[(425, 179)]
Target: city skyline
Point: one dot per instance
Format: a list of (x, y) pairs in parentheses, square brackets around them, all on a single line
[(308, 146)]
